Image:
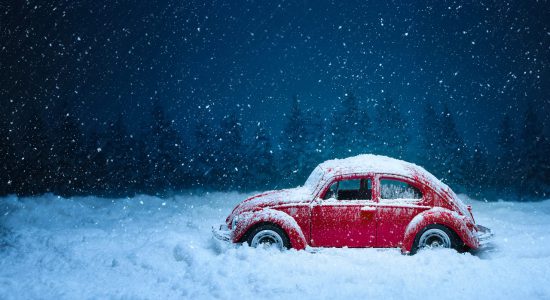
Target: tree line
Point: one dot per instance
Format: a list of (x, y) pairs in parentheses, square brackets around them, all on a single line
[(59, 155)]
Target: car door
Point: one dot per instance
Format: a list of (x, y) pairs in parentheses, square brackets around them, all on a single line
[(399, 201), (344, 216)]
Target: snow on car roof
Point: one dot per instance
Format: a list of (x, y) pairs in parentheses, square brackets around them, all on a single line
[(370, 163), (366, 163)]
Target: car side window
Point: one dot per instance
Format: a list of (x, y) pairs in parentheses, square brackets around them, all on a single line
[(391, 189), (350, 189)]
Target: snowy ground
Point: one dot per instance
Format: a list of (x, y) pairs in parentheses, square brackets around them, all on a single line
[(150, 248)]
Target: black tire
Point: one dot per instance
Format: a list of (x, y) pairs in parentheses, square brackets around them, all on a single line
[(268, 234), (436, 235)]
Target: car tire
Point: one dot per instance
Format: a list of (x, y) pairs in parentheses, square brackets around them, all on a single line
[(436, 236), (267, 236)]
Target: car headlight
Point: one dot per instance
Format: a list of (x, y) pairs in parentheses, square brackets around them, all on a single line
[(234, 222)]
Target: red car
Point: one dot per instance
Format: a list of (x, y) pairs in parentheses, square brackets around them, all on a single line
[(361, 201)]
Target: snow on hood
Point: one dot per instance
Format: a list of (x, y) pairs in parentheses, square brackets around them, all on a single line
[(272, 198)]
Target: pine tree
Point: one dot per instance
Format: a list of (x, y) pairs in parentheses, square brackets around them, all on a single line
[(203, 149), (391, 137), (67, 153), (165, 150), (118, 152), (229, 167), (293, 157), (35, 146), (430, 136), (7, 150), (260, 162), (505, 172), (478, 175), (533, 155), (317, 145), (345, 127), (453, 151), (95, 165), (364, 133)]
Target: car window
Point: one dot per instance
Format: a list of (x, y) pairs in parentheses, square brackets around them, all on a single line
[(391, 189), (350, 189)]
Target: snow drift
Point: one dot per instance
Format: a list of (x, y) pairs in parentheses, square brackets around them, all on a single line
[(151, 248)]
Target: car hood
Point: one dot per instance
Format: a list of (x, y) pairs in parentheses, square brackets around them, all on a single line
[(273, 198)]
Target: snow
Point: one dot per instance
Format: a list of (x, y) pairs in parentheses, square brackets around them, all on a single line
[(366, 163), (57, 248)]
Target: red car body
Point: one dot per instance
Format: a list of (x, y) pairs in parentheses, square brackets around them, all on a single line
[(373, 213)]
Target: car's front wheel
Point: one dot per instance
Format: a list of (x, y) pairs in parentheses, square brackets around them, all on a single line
[(268, 236), (436, 236)]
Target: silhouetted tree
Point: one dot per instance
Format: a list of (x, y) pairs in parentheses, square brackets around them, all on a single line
[(34, 167), (228, 167), (119, 153), (505, 173), (260, 162), (453, 151), (292, 161), (165, 152), (95, 164), (477, 170), (204, 153), (317, 142), (430, 139), (7, 150), (345, 126), (391, 136), (534, 155), (67, 152)]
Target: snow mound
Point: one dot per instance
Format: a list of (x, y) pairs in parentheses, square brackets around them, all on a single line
[(151, 248)]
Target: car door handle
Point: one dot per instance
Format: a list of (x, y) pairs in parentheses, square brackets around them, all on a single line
[(368, 208)]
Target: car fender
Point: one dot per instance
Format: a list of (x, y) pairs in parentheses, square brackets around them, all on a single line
[(441, 216), (249, 219)]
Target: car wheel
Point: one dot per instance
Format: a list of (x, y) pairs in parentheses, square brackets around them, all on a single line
[(435, 236), (268, 236)]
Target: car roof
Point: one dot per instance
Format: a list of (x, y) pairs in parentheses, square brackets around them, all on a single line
[(370, 163)]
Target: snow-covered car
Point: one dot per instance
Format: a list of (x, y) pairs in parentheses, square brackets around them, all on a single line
[(361, 201)]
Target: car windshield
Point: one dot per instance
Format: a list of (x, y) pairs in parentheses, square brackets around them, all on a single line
[(314, 179)]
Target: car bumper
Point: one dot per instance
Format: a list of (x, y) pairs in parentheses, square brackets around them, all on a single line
[(484, 235), (222, 233)]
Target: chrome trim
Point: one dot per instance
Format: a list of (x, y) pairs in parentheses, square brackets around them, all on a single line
[(222, 233), (483, 234)]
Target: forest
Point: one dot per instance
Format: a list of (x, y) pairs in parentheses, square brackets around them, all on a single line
[(57, 153)]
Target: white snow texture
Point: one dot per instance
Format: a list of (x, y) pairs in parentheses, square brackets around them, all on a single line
[(151, 248)]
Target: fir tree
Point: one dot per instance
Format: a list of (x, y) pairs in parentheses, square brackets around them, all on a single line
[(261, 162), (345, 127), (67, 153), (478, 176), (165, 150), (118, 150), (293, 157), (452, 151), (35, 155), (505, 171), (229, 166), (203, 149), (391, 137), (7, 150), (534, 156), (430, 137)]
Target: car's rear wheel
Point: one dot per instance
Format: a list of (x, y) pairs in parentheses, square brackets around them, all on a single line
[(436, 236), (268, 236)]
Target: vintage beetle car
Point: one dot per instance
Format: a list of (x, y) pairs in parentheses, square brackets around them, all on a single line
[(362, 201)]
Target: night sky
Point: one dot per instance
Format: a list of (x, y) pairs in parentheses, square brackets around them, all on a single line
[(482, 58)]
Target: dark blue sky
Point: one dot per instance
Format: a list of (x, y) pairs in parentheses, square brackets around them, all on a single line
[(483, 58)]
